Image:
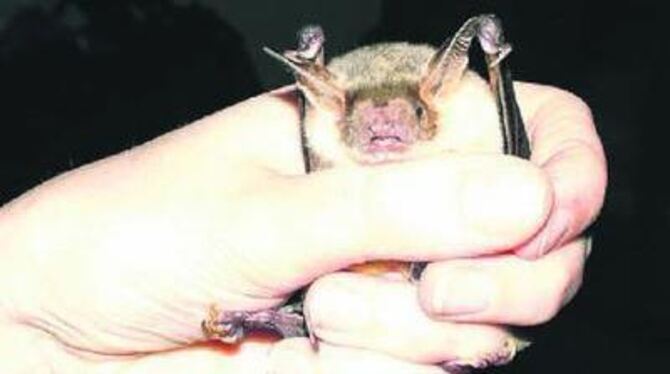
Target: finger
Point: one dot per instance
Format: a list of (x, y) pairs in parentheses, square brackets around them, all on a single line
[(566, 146), (261, 131), (252, 356), (450, 206), (503, 289), (296, 356), (383, 315)]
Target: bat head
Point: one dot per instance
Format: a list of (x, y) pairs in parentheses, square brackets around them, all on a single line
[(374, 104), (383, 122)]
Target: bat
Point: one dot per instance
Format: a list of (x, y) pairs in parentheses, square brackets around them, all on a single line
[(390, 102)]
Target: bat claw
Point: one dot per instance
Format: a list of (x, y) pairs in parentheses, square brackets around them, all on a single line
[(491, 39), (501, 356), (310, 43), (503, 51), (415, 271), (227, 327), (232, 326)]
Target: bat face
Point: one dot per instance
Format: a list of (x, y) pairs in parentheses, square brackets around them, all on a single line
[(384, 116), (379, 129), (390, 112), (387, 102)]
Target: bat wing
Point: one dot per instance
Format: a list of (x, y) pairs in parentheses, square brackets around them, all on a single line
[(447, 67), (515, 138)]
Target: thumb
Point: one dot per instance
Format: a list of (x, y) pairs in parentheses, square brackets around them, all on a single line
[(434, 209)]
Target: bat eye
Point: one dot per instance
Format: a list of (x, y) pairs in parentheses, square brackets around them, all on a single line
[(418, 111)]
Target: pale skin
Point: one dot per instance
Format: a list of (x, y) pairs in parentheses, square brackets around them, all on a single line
[(112, 267)]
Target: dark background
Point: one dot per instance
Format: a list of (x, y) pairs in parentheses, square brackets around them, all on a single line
[(80, 80)]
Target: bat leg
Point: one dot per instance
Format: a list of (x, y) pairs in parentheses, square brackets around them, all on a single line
[(290, 321), (232, 326), (415, 271)]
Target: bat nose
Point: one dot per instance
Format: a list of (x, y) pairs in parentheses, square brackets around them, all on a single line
[(382, 127), (385, 119)]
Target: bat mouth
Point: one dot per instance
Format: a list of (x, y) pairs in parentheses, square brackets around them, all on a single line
[(387, 138), (382, 131), (386, 143)]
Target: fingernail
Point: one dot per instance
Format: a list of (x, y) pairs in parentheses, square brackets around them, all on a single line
[(463, 291), (588, 246), (511, 201)]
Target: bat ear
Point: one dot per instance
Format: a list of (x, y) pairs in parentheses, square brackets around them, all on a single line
[(443, 73), (446, 67), (313, 79)]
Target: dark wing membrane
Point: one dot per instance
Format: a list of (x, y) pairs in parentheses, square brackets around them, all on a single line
[(515, 138)]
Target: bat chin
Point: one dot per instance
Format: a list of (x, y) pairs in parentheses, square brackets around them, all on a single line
[(382, 150), (378, 158)]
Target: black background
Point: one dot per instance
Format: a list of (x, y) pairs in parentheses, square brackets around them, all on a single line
[(80, 80)]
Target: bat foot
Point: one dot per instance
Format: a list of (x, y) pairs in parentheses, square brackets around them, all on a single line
[(310, 43), (415, 271), (500, 55), (490, 35), (233, 326), (503, 355), (225, 326)]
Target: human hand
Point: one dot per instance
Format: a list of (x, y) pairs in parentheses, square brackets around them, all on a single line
[(244, 230), (502, 289), (507, 289)]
